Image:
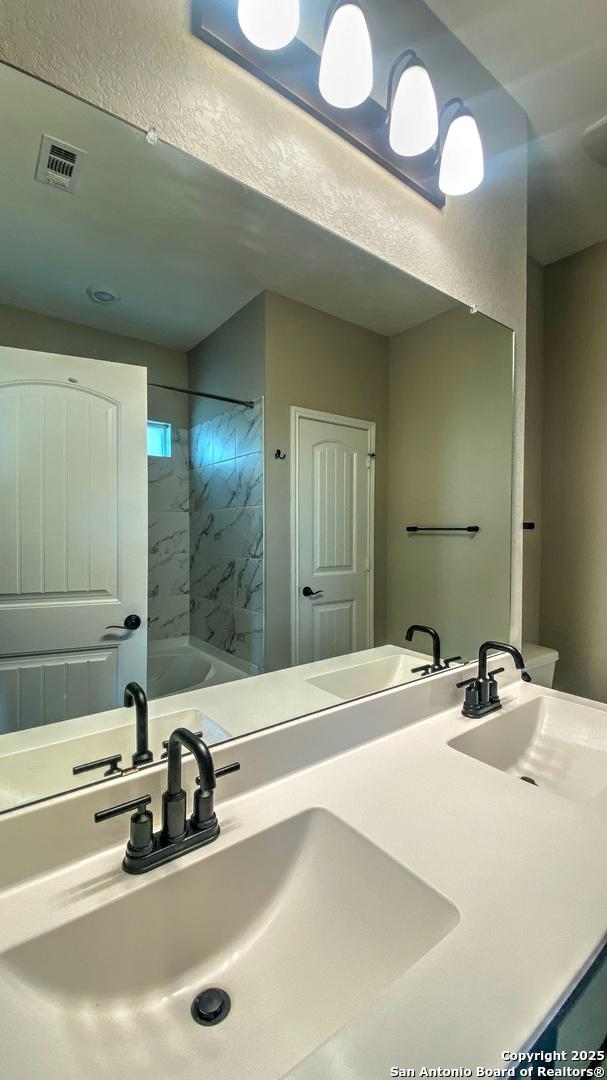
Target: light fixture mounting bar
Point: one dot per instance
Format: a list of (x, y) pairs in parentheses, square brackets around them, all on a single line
[(293, 72)]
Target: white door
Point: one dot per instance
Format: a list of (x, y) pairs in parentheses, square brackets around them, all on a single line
[(333, 474), (73, 535)]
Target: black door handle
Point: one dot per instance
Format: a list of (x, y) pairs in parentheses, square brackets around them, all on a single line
[(307, 591), (132, 622)]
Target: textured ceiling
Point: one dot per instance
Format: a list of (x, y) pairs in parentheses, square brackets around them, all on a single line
[(183, 245), (551, 55)]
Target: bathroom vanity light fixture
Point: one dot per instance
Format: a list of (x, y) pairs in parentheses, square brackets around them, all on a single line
[(322, 60), (269, 24), (346, 63), (413, 112), (462, 164)]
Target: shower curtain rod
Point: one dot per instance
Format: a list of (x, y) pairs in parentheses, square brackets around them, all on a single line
[(199, 393)]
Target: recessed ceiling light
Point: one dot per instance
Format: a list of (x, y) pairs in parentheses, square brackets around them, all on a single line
[(102, 296)]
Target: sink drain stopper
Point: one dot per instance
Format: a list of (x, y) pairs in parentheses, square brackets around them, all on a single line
[(211, 1007)]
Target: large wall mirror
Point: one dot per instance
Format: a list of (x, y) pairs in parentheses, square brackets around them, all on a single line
[(233, 447)]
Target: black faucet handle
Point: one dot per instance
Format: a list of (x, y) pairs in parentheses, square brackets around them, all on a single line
[(525, 676), (227, 769), (111, 762), (467, 682), (224, 771), (475, 678), (451, 660), (141, 840), (136, 805)]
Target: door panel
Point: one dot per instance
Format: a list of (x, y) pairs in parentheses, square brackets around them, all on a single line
[(73, 543), (334, 511), (333, 628), (333, 492), (62, 485), (48, 689)]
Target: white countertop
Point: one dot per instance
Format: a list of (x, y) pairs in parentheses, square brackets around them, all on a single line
[(239, 707), (37, 762), (525, 868)]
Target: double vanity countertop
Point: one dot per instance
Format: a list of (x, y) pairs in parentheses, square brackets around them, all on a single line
[(37, 762), (376, 898)]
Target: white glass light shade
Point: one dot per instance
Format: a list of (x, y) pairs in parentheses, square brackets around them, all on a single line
[(414, 114), (269, 24), (462, 166), (346, 66)]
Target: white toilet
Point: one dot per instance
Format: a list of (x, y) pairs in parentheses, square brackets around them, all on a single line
[(541, 663)]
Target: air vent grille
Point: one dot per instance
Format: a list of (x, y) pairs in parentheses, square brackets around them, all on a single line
[(59, 164)]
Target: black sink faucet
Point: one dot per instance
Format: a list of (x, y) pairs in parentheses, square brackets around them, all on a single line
[(134, 694), (437, 664), (417, 628), (482, 696), (147, 849), (174, 798)]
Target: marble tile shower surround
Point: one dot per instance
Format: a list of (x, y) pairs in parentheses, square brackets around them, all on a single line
[(226, 532), (169, 540)]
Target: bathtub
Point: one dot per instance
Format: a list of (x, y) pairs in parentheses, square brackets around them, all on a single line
[(176, 666)]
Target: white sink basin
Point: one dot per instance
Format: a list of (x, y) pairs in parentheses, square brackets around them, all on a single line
[(370, 678), (37, 771), (304, 925), (559, 744)]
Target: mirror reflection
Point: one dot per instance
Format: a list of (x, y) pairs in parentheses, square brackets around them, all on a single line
[(248, 471)]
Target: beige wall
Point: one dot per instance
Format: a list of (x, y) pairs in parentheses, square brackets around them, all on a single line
[(154, 72), (318, 362), (450, 453), (28, 330), (231, 361), (574, 548), (532, 540), (42, 333)]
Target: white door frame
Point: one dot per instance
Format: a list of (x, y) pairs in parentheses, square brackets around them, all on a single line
[(297, 414)]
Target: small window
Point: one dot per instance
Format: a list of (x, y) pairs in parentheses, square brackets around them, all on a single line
[(159, 439)]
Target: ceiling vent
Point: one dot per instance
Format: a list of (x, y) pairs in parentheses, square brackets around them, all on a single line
[(59, 164), (594, 141)]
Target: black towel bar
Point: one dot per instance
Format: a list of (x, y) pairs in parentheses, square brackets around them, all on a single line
[(443, 528)]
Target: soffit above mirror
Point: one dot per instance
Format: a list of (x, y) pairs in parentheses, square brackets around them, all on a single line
[(191, 249)]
